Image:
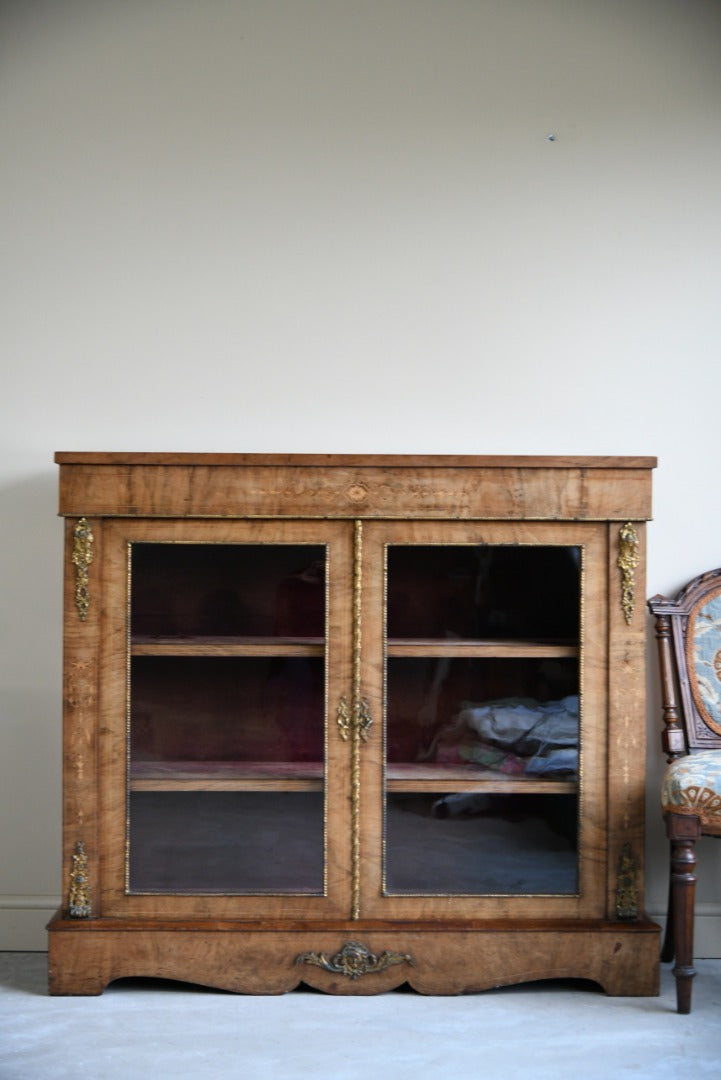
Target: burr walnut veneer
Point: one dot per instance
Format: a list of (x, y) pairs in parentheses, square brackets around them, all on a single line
[(353, 721)]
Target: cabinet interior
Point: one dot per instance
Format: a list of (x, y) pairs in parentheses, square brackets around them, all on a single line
[(227, 718)]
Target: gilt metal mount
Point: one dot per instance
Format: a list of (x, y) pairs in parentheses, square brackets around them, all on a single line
[(355, 960), (83, 541), (343, 719), (361, 720), (628, 559), (79, 906)]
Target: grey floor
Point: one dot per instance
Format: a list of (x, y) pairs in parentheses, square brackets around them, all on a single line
[(548, 1030)]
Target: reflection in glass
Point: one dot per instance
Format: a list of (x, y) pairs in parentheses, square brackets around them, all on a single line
[(226, 842), (450, 710), (482, 719), (482, 844), (228, 590), (227, 708), (226, 718), (479, 592)]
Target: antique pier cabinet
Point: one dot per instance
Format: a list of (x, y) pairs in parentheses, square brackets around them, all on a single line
[(353, 721)]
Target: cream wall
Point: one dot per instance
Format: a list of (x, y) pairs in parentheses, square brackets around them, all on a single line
[(340, 225)]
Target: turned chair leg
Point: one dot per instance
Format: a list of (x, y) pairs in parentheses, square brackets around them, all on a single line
[(683, 833), (668, 949)]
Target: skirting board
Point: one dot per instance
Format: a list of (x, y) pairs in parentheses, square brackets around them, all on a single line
[(23, 920)]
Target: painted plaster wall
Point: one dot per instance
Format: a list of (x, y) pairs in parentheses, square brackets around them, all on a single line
[(313, 225)]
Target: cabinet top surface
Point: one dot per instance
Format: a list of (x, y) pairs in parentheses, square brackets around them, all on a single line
[(68, 457), (345, 485)]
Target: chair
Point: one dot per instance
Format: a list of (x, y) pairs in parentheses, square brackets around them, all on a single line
[(688, 632)]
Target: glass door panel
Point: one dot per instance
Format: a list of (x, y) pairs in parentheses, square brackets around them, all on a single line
[(482, 690), (226, 718)]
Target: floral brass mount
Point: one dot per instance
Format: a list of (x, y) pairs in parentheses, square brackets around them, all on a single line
[(361, 721), (79, 906), (82, 557), (628, 559), (354, 960)]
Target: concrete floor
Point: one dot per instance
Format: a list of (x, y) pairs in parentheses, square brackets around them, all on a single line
[(548, 1030)]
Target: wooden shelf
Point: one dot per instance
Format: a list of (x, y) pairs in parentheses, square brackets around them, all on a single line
[(457, 778), (308, 776), (226, 646), (478, 649), (226, 776)]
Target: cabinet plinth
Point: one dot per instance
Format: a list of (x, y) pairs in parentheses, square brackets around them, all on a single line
[(353, 722)]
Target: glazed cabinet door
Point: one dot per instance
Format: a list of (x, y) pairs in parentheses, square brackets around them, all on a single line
[(483, 783), (226, 647)]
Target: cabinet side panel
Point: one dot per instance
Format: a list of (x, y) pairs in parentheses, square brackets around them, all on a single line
[(80, 705), (627, 728), (593, 821), (113, 747)]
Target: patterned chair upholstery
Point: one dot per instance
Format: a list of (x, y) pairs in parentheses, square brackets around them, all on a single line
[(688, 633)]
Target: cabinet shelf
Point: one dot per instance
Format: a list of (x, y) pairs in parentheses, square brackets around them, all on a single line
[(226, 646), (308, 776), (226, 776), (464, 778), (478, 649)]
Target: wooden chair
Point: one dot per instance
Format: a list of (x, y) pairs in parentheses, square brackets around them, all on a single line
[(688, 632)]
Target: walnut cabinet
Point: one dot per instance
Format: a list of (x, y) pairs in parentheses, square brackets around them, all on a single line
[(353, 722)]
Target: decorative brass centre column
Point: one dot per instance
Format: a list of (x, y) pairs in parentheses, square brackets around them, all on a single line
[(359, 707)]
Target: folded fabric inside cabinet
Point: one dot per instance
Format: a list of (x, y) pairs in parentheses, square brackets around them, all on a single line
[(513, 735)]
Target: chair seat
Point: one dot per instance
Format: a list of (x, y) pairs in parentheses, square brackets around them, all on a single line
[(692, 785)]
